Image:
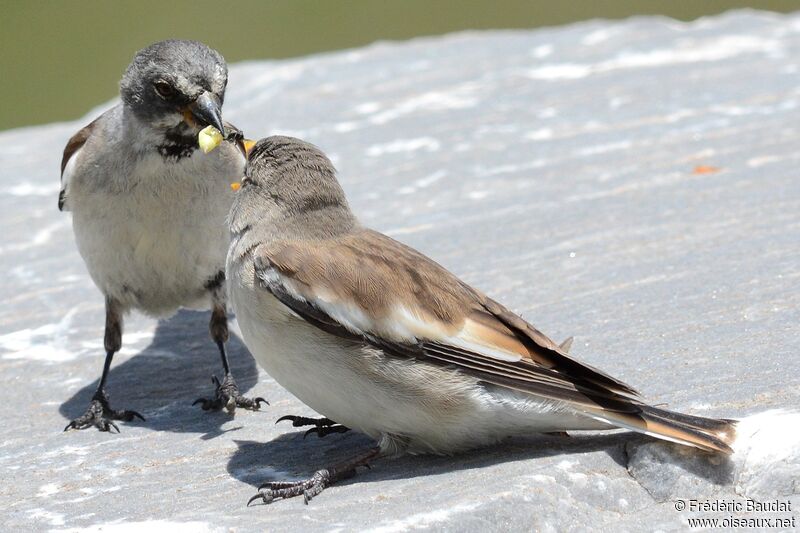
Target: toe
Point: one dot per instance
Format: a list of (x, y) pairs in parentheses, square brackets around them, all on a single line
[(263, 496), (253, 404), (126, 416), (209, 405)]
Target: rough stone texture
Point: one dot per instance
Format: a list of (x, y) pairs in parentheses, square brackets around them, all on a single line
[(561, 171)]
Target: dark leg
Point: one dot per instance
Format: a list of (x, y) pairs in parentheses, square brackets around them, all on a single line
[(322, 479), (99, 413), (322, 426), (227, 393)]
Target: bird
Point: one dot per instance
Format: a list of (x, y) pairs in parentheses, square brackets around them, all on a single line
[(148, 207), (378, 337)]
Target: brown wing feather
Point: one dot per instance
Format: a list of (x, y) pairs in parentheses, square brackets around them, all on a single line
[(523, 375), (76, 142), (547, 353), (377, 273), (367, 267)]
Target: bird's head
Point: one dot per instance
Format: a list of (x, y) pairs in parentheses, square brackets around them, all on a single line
[(291, 182), (176, 83)]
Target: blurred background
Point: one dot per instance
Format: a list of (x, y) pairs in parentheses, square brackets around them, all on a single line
[(60, 59)]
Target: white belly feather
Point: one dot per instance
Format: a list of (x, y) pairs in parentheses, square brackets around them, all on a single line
[(154, 244)]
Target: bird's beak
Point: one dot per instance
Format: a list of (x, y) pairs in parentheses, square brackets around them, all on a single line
[(206, 110)]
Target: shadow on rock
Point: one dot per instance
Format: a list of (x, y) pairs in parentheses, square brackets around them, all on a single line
[(662, 468), (163, 380), (290, 456)]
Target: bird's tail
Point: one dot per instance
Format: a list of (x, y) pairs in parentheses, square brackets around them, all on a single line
[(709, 434)]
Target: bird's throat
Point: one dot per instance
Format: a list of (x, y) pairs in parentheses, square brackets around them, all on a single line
[(178, 142)]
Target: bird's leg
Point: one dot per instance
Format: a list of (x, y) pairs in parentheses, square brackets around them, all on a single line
[(319, 481), (322, 426), (99, 413), (227, 392)]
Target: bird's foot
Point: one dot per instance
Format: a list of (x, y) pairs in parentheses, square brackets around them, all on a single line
[(227, 395), (322, 426), (100, 415), (319, 481), (308, 488)]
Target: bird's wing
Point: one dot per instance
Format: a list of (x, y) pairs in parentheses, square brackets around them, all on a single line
[(69, 160), (370, 287)]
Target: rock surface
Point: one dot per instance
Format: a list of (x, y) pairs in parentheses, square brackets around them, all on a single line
[(634, 184)]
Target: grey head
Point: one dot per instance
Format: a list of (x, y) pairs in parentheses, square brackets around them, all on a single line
[(290, 189), (176, 86)]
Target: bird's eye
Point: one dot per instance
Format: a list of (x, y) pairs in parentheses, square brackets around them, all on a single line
[(164, 89)]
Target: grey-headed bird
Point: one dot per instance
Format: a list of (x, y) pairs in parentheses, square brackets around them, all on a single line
[(383, 340), (148, 207)]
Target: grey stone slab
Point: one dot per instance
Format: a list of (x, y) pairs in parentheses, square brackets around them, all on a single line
[(559, 170)]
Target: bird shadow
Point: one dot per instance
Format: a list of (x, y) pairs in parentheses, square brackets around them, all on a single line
[(291, 456), (174, 370)]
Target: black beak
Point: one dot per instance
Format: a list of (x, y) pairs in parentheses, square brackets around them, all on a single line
[(206, 110)]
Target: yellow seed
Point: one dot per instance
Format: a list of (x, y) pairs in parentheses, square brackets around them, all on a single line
[(209, 138)]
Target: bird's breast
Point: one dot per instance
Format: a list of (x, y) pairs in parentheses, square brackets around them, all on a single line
[(156, 239)]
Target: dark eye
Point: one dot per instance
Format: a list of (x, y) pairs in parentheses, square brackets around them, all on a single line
[(164, 89)]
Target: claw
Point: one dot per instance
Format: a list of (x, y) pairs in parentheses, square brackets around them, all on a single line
[(299, 421), (257, 496), (247, 403)]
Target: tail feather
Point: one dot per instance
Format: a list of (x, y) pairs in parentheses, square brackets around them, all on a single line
[(709, 434), (697, 422)]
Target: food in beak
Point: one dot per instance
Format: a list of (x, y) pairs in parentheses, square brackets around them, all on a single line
[(209, 138)]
